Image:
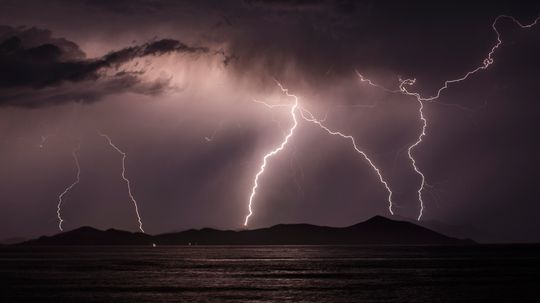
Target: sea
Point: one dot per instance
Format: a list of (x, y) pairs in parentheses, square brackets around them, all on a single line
[(476, 273)]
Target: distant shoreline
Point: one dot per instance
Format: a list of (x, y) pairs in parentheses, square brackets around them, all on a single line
[(375, 231)]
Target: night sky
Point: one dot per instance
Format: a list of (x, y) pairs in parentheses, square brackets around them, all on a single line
[(173, 84)]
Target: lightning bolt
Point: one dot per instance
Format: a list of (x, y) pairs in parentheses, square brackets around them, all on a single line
[(67, 189), (371, 83), (308, 116), (128, 183), (413, 146), (410, 82), (293, 109), (486, 62)]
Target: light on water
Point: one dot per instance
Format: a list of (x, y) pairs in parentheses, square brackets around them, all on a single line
[(271, 273)]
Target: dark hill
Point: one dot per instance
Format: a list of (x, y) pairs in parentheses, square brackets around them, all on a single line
[(91, 236), (377, 230)]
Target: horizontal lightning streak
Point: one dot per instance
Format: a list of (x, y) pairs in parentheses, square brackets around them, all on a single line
[(371, 83), (486, 62)]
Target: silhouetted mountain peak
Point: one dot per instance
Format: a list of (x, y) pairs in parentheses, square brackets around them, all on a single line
[(84, 229), (297, 226), (377, 230), (91, 236), (379, 220), (376, 222)]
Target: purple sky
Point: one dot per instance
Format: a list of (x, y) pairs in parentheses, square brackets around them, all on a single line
[(162, 77)]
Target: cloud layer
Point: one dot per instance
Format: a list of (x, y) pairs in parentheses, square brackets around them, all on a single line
[(37, 69), (161, 98)]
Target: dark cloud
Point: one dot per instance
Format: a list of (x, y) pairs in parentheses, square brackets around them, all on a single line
[(33, 66), (328, 39), (481, 164)]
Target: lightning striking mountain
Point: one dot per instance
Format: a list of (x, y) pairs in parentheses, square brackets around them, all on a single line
[(67, 189), (297, 111), (308, 116), (293, 109), (486, 62), (128, 183)]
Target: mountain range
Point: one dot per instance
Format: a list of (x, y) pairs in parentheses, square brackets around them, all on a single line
[(375, 231)]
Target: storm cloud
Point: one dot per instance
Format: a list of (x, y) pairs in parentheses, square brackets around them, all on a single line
[(182, 109), (37, 69)]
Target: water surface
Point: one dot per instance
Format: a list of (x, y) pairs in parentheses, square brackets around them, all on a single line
[(484, 273)]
